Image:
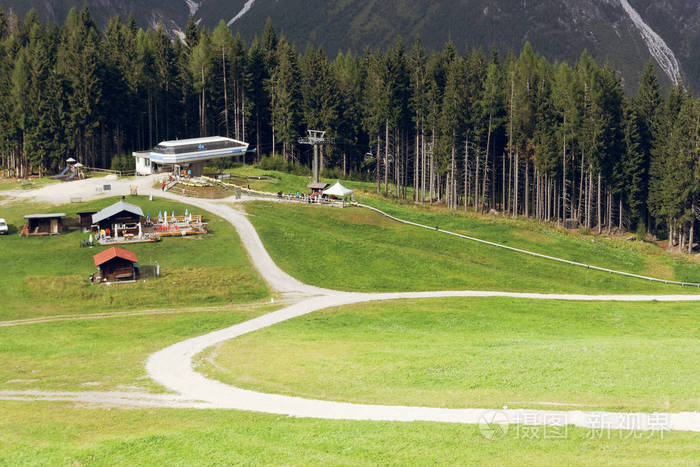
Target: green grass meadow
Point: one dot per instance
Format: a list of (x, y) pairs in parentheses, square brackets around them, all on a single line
[(103, 354), (359, 250), (601, 250), (460, 352), (63, 434), (13, 184), (488, 352), (49, 275)]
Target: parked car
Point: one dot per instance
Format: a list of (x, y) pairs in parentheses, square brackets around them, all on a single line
[(3, 227)]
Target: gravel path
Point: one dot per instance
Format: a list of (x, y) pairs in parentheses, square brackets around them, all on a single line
[(172, 366)]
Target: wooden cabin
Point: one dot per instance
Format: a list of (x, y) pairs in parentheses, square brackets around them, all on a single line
[(317, 188), (85, 218), (122, 214), (43, 224), (117, 265)]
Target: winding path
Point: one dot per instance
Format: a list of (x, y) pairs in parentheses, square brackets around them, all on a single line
[(172, 366)]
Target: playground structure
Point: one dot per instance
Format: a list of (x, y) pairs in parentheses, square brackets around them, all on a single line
[(72, 171)]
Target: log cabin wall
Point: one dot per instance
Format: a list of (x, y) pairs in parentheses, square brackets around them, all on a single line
[(118, 269)]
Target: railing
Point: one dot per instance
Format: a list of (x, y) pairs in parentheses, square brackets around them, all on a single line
[(248, 191), (118, 173), (184, 192)]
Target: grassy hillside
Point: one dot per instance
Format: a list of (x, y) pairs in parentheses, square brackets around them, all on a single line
[(477, 353), (49, 275), (357, 249), (605, 251)]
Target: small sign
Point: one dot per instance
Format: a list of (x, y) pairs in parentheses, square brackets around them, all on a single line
[(106, 187)]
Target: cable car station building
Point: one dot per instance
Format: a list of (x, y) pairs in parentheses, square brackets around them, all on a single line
[(185, 155)]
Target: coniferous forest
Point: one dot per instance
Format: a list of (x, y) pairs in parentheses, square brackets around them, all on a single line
[(561, 142)]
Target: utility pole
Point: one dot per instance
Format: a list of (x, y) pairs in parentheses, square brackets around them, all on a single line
[(316, 138)]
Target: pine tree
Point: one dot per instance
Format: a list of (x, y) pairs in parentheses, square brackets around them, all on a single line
[(351, 140), (79, 62), (452, 120), (192, 33), (663, 195), (646, 105), (257, 78), (286, 113), (200, 67), (419, 107), (319, 91)]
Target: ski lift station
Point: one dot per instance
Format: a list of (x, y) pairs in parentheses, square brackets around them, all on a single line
[(187, 155)]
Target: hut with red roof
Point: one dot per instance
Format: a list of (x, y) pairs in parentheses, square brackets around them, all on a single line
[(117, 265)]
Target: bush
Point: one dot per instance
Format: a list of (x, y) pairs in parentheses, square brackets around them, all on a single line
[(278, 164), (275, 162), (641, 232), (123, 163)]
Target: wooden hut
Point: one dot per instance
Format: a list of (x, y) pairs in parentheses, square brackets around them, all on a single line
[(117, 265), (121, 214), (317, 188), (85, 218), (43, 224)]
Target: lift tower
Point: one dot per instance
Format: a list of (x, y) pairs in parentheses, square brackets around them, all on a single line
[(316, 138)]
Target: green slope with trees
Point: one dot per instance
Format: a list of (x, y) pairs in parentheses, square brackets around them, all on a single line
[(517, 134)]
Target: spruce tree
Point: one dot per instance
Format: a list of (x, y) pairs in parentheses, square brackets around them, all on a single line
[(286, 113), (646, 106)]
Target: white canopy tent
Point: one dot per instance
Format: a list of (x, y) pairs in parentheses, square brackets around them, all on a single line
[(338, 190)]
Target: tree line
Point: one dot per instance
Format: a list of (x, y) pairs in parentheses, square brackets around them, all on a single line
[(519, 135)]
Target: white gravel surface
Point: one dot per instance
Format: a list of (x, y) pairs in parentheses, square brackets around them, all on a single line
[(172, 366)]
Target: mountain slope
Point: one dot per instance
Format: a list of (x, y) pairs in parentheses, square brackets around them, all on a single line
[(625, 32)]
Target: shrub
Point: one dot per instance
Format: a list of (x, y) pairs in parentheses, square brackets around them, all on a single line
[(123, 163)]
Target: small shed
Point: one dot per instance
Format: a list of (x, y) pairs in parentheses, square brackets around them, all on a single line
[(117, 265), (317, 188), (85, 218), (43, 224), (120, 213)]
